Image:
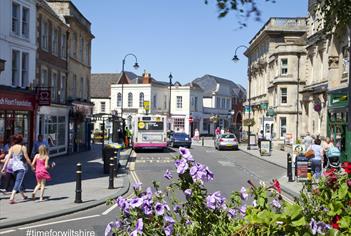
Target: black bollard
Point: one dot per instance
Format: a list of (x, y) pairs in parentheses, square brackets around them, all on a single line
[(78, 184), (289, 168), (203, 141), (111, 178), (309, 176)]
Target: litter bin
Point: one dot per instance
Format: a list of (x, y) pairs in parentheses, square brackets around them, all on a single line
[(109, 151)]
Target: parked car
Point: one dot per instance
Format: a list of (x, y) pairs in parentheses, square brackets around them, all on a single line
[(180, 140), (226, 141)]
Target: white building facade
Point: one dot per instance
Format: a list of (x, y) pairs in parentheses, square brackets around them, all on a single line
[(18, 55), (17, 42)]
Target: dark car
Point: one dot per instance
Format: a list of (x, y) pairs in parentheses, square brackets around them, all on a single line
[(180, 140)]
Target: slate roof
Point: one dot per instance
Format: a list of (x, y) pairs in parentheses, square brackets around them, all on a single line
[(100, 84), (211, 83)]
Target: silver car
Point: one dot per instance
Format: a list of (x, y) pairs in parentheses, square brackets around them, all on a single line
[(226, 141)]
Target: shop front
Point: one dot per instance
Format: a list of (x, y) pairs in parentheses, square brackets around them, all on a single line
[(337, 123), (52, 123), (80, 126), (17, 114)]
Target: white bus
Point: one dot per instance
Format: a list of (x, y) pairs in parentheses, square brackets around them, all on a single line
[(149, 131)]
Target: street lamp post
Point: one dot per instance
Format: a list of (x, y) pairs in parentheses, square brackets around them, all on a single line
[(136, 66), (236, 59), (170, 97)]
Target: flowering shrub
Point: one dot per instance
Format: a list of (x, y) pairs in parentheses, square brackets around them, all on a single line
[(185, 207)]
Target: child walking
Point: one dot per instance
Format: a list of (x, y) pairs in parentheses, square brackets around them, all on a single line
[(41, 165)]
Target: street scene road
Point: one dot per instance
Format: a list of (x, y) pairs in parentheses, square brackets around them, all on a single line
[(232, 169)]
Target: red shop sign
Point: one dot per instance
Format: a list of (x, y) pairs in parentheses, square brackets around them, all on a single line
[(16, 101), (44, 97)]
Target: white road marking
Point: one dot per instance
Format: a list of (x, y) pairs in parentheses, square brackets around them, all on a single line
[(8, 231), (109, 209), (226, 163), (59, 222)]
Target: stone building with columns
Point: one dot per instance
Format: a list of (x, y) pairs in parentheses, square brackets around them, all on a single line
[(325, 97), (276, 57)]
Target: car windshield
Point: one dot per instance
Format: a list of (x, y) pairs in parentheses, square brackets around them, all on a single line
[(227, 136), (180, 135)]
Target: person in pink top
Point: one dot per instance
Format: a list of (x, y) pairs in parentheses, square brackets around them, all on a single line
[(41, 165)]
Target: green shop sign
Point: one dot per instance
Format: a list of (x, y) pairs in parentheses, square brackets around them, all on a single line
[(338, 99), (270, 112), (264, 106)]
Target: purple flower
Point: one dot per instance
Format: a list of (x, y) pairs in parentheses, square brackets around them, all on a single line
[(182, 166), (168, 229), (160, 209), (184, 152), (110, 226), (200, 173), (188, 222), (138, 227), (231, 213), (243, 210), (136, 202), (137, 186), (149, 193), (322, 227), (215, 201), (188, 192), (121, 202), (243, 194), (176, 208), (276, 203), (168, 175), (254, 203), (313, 226), (169, 220), (147, 208)]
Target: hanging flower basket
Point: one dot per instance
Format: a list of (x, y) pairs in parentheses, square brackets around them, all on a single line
[(214, 119), (317, 107), (249, 122), (78, 116)]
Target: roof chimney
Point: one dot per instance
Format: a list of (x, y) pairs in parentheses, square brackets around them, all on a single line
[(146, 78)]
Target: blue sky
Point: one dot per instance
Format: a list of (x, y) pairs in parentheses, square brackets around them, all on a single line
[(184, 37)]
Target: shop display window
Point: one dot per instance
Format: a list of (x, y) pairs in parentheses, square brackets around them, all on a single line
[(55, 133)]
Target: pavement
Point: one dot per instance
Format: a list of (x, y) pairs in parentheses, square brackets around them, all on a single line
[(60, 191), (277, 157)]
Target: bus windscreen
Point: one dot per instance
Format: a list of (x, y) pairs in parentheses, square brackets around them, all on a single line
[(150, 125)]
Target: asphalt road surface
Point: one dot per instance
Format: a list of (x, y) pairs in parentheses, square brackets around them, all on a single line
[(232, 169)]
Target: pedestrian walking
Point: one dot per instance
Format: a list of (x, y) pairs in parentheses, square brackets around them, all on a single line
[(307, 140), (8, 178), (37, 143), (316, 161), (18, 154), (196, 135), (41, 166)]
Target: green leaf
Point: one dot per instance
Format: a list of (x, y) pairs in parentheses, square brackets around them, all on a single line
[(345, 222), (343, 190), (299, 222), (293, 211)]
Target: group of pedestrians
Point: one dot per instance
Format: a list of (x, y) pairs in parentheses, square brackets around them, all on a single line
[(15, 163), (322, 149)]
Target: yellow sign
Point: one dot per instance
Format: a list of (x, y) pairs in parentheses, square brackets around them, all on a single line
[(141, 125), (158, 118), (147, 105)]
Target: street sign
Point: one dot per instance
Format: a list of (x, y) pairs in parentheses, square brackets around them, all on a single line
[(44, 97), (190, 119), (147, 105)]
